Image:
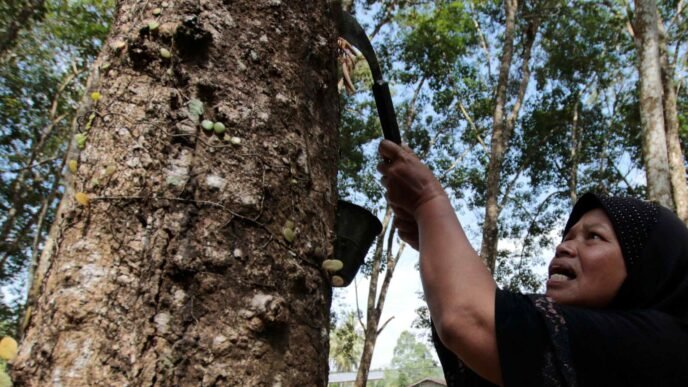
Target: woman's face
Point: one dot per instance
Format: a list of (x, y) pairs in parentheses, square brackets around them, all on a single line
[(588, 267)]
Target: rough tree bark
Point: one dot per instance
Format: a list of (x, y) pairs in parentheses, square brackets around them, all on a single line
[(651, 109), (196, 260)]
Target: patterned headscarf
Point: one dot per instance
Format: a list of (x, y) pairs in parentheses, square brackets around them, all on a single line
[(654, 243)]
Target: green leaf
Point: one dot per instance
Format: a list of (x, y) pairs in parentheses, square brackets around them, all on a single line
[(80, 139), (8, 348), (196, 106), (219, 127), (195, 109), (5, 380), (288, 234), (207, 124), (332, 265)]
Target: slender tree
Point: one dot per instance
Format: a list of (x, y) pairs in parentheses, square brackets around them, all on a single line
[(411, 361), (655, 156), (376, 300), (488, 250), (187, 247), (503, 125), (675, 153)]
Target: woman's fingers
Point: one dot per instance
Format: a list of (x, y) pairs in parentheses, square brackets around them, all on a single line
[(401, 213), (410, 238), (383, 181), (407, 181), (383, 167), (389, 150), (406, 226)]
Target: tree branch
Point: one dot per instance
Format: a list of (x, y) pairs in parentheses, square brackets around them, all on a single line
[(384, 325), (411, 112), (359, 314), (679, 9), (483, 42), (29, 166), (475, 128), (391, 265)]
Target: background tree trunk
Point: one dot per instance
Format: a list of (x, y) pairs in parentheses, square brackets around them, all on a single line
[(575, 150), (651, 108), (372, 311), (675, 153), (503, 129), (376, 301), (197, 258), (488, 250), (19, 15)]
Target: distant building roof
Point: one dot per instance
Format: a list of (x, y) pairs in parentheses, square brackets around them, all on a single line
[(343, 377), (428, 382)]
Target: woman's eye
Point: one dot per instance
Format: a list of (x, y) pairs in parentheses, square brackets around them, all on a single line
[(594, 236)]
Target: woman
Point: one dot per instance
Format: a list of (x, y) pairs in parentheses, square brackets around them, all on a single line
[(615, 312)]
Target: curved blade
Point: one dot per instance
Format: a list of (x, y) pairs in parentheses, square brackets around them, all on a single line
[(350, 30)]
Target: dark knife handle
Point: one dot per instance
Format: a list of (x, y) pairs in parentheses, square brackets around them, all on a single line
[(385, 109)]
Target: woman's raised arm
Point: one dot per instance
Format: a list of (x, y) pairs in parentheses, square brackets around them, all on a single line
[(458, 286)]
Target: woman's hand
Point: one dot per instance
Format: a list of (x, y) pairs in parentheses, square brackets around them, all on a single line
[(409, 184), (408, 181), (406, 227), (458, 287)]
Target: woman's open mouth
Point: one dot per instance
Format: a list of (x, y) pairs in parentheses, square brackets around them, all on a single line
[(561, 273), (560, 277)]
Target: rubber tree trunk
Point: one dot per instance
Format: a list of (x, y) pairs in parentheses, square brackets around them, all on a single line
[(196, 258), (651, 105)]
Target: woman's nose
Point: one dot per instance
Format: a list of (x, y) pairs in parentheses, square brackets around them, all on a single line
[(565, 249)]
